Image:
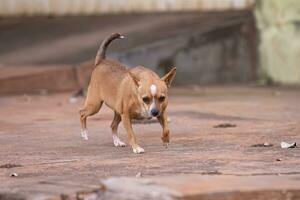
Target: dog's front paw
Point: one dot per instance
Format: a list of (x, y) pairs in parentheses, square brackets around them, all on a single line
[(138, 150), (84, 134), (166, 144), (119, 143), (166, 140)]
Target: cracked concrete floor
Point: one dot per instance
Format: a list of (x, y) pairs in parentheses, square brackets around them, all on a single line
[(41, 136)]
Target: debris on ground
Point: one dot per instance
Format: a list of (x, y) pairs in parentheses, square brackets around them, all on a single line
[(9, 165), (266, 144), (139, 175), (213, 172), (14, 175), (73, 100), (286, 145), (225, 125), (278, 159)]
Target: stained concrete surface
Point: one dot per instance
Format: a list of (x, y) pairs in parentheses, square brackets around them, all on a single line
[(40, 135)]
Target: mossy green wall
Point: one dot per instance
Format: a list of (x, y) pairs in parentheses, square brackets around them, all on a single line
[(278, 23)]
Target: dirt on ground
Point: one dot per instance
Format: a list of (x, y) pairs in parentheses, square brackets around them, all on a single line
[(214, 131)]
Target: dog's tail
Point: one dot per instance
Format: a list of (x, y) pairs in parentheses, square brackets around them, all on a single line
[(102, 49)]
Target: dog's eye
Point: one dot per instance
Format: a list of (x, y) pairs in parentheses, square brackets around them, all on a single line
[(146, 100), (161, 98)]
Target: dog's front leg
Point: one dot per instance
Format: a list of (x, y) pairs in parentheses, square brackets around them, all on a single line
[(164, 123), (132, 140)]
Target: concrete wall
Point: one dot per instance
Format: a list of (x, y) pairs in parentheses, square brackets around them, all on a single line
[(88, 7), (279, 50), (224, 61), (222, 54)]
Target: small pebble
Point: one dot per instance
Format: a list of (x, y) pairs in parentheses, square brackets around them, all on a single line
[(225, 125), (14, 175), (73, 99), (266, 144), (286, 145), (213, 172), (139, 175)]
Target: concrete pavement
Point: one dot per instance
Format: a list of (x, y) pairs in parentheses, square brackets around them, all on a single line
[(40, 141)]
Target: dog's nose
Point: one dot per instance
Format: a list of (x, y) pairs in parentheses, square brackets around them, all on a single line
[(154, 112)]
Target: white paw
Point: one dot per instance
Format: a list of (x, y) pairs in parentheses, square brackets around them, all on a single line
[(166, 144), (84, 134), (119, 143), (138, 150)]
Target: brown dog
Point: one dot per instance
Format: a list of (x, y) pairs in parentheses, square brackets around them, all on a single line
[(135, 93)]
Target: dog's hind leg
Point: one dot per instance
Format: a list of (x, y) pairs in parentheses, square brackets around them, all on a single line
[(88, 110), (114, 129)]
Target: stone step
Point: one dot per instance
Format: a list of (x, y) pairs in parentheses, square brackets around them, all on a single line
[(37, 79)]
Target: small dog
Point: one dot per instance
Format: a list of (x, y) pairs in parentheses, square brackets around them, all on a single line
[(134, 93)]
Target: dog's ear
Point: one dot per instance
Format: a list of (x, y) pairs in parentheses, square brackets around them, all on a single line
[(134, 77), (168, 78)]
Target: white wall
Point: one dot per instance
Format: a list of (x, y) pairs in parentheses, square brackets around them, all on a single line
[(86, 7)]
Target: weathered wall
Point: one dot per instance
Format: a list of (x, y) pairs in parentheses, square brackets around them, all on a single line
[(220, 54), (87, 7), (279, 50), (226, 60)]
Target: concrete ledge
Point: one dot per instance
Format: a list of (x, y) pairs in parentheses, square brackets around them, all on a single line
[(36, 79), (201, 187), (183, 187), (45, 78)]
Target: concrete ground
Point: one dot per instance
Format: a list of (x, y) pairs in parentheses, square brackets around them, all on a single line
[(40, 141)]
